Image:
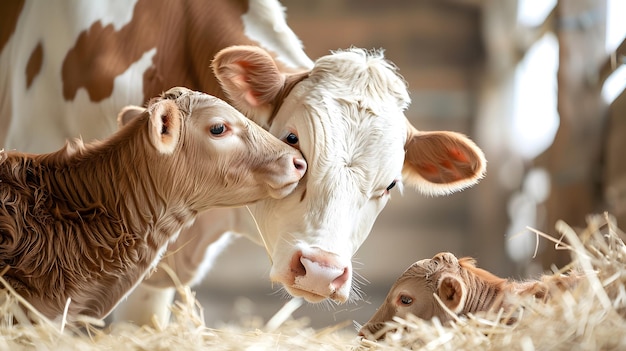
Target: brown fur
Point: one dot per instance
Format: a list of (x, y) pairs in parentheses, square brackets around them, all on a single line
[(87, 222), (187, 35), (461, 286), (66, 222)]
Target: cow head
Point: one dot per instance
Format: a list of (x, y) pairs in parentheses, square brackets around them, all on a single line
[(346, 116)]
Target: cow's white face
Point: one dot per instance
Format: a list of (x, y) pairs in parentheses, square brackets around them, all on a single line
[(347, 119), (354, 145)]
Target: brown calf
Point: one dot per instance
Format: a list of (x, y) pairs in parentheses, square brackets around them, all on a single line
[(86, 223), (461, 286)]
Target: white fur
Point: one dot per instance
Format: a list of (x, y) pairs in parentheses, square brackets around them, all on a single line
[(353, 152), (265, 23), (212, 253)]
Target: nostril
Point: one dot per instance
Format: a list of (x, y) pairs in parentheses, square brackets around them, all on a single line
[(369, 330), (365, 329), (341, 280), (296, 266), (300, 164)]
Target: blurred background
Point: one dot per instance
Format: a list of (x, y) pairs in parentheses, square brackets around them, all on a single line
[(538, 84)]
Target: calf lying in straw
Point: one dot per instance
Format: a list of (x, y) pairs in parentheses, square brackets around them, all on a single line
[(84, 225), (429, 287)]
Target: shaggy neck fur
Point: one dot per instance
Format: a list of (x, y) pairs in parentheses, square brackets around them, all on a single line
[(82, 224), (484, 289)]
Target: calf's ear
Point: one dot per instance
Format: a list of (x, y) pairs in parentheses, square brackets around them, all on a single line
[(439, 163), (127, 114), (452, 292), (165, 126), (248, 75)]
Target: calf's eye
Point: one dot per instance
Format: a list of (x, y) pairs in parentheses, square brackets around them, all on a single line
[(217, 129), (391, 185), (406, 300), (291, 139)]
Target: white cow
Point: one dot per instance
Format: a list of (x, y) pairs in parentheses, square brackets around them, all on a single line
[(344, 112)]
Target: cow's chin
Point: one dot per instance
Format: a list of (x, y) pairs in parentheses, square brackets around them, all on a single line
[(312, 297)]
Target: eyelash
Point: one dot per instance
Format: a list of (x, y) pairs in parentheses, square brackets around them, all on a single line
[(390, 187)]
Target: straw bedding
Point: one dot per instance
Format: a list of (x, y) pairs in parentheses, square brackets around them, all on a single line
[(590, 317)]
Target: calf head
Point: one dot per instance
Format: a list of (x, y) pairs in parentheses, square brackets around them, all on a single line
[(444, 285), (415, 290), (217, 156), (346, 116)]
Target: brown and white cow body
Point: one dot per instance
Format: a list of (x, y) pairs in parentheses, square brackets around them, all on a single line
[(75, 56), (344, 112), (461, 287), (79, 226)]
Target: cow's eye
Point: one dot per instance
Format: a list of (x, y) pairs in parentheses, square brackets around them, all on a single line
[(217, 129), (291, 139), (391, 185), (406, 300)]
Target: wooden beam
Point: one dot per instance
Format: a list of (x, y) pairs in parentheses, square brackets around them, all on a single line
[(614, 172), (615, 59), (528, 36), (574, 159)]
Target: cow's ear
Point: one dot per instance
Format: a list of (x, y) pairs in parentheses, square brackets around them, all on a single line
[(165, 125), (128, 114), (452, 292), (248, 75), (440, 163)]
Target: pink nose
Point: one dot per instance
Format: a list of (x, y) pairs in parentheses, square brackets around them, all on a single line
[(300, 164), (318, 272)]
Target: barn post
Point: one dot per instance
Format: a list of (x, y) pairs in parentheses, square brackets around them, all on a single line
[(614, 167), (489, 220), (574, 158)]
